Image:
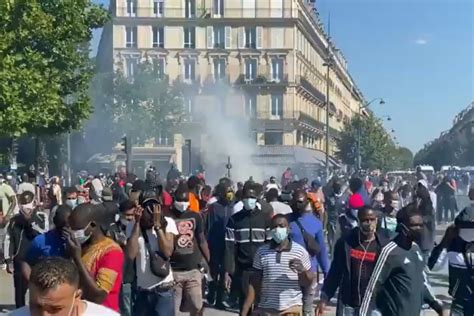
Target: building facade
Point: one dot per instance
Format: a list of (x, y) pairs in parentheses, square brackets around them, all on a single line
[(259, 60)]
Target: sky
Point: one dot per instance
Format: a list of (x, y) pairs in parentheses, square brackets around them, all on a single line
[(418, 55)]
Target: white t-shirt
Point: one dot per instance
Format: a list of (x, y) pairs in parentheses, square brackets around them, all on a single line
[(145, 278), (92, 309)]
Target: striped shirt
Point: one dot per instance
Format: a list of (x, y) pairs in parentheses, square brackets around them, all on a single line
[(280, 286)]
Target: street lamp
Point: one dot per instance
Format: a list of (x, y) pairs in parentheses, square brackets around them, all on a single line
[(359, 132)]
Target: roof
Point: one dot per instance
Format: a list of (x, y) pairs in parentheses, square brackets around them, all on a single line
[(291, 155)]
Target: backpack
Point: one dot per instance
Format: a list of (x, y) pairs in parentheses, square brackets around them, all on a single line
[(312, 246)]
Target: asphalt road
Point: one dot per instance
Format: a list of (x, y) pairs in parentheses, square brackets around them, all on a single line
[(439, 282)]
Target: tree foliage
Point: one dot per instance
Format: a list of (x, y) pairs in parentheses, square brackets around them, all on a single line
[(141, 107), (377, 148), (45, 70)]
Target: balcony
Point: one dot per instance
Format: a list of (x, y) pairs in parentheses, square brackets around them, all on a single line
[(310, 89), (205, 13), (260, 80)]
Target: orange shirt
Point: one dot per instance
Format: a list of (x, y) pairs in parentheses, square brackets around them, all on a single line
[(194, 203)]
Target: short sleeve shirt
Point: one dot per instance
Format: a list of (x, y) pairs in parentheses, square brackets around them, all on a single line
[(187, 255), (280, 285), (104, 261)]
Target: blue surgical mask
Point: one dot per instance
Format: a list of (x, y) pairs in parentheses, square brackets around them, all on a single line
[(250, 203), (279, 234), (72, 203)]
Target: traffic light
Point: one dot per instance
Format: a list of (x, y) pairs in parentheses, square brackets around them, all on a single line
[(125, 145)]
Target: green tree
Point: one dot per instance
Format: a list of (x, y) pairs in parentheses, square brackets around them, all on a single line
[(376, 144), (403, 158), (45, 70), (141, 107)]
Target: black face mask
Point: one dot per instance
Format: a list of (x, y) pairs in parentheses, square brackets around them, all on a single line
[(415, 236)]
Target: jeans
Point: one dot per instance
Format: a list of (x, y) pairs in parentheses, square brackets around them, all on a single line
[(154, 303), (126, 299), (350, 311)]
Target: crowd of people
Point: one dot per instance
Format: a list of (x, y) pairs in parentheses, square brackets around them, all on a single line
[(153, 247)]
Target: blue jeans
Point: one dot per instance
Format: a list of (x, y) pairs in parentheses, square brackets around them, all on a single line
[(126, 299), (154, 303)]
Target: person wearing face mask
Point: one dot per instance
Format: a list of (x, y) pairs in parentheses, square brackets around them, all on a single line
[(348, 220), (246, 231), (282, 268), (398, 285), (217, 216), (150, 232), (54, 286), (189, 249), (356, 258), (388, 214), (304, 224), (22, 230), (457, 249), (49, 244), (98, 258)]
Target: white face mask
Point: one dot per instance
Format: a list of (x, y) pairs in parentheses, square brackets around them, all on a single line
[(467, 234), (181, 206)]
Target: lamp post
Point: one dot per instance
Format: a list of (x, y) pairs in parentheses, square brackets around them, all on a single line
[(359, 132)]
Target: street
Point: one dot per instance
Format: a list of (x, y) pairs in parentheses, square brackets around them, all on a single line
[(439, 282)]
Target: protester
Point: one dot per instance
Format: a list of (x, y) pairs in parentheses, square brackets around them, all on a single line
[(189, 249), (246, 231), (335, 207), (108, 202), (286, 177), (350, 273), (348, 220), (457, 248), (118, 233), (426, 207), (283, 268), (388, 214), (398, 284), (278, 207), (217, 217), (272, 184), (307, 230), (194, 185), (54, 289), (55, 192), (98, 258), (152, 235), (22, 230), (49, 244), (446, 192)]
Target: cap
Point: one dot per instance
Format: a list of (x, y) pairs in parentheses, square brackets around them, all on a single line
[(316, 184), (356, 201), (107, 194)]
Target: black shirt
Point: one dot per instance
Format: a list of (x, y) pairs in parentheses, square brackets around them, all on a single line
[(362, 265), (187, 254)]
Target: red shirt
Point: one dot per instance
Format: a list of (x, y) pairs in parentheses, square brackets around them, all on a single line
[(104, 261)]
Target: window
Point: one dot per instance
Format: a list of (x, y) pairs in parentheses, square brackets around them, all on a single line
[(219, 69), (250, 69), (219, 37), (131, 64), (277, 70), (189, 105), (190, 8), (158, 37), (250, 37), (248, 7), (189, 37), (131, 36), (189, 70), (251, 105), (159, 67), (277, 106), (158, 7), (218, 8), (131, 7), (273, 137)]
